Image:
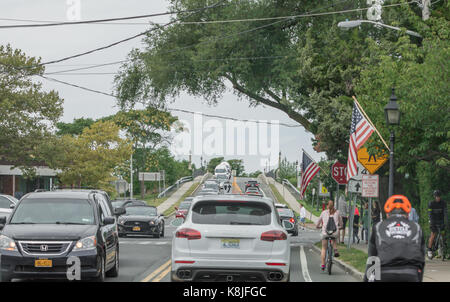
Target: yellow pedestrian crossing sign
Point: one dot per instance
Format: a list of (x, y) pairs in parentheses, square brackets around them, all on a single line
[(371, 162)]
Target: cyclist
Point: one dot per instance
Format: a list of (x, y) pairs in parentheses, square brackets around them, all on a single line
[(398, 243), (437, 213), (330, 212)]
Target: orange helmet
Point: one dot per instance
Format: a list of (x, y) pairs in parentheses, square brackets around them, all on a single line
[(393, 203)]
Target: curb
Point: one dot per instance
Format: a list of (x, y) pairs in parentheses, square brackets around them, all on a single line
[(346, 267)]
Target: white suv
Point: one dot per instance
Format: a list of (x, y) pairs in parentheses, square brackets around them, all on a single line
[(231, 238)]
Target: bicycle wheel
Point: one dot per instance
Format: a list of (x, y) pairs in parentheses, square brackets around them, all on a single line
[(330, 258)]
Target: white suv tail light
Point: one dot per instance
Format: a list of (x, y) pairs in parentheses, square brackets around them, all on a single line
[(189, 234), (273, 235)]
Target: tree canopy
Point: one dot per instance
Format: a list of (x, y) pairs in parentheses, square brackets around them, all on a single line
[(27, 113)]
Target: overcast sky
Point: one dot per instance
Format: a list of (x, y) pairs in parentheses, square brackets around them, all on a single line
[(56, 42)]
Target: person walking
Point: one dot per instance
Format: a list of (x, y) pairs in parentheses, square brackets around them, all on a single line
[(302, 216), (413, 216), (325, 217), (356, 225), (376, 214), (398, 244), (343, 210), (365, 223), (438, 217)]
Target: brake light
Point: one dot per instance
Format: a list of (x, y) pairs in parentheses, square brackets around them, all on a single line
[(273, 235), (184, 261), (292, 220), (189, 234), (275, 263)]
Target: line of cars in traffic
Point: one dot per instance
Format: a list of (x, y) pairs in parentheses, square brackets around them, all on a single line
[(233, 237), (44, 230)]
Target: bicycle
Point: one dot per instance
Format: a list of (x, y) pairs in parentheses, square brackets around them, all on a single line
[(438, 244), (329, 253)]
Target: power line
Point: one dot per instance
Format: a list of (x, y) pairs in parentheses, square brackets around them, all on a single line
[(98, 20), (173, 109), (308, 14)]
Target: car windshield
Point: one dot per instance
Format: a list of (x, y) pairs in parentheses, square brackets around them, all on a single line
[(231, 213), (286, 212), (118, 204), (221, 171), (144, 211), (221, 177), (4, 202), (185, 205), (54, 211)]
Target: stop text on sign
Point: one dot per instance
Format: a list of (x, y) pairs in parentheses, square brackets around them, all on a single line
[(339, 173)]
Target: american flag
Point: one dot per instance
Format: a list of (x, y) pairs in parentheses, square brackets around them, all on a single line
[(360, 132), (309, 169)]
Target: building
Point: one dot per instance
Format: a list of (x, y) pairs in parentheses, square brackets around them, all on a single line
[(12, 181)]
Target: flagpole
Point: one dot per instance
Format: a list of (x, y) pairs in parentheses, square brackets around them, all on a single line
[(367, 117)]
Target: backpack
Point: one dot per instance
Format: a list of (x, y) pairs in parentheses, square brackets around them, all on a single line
[(331, 226)]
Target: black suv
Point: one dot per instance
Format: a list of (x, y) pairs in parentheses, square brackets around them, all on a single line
[(47, 228)]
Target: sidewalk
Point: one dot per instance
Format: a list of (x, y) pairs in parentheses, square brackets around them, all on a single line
[(436, 270), (177, 195), (290, 199)]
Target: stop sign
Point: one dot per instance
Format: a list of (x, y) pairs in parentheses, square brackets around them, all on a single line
[(339, 173)]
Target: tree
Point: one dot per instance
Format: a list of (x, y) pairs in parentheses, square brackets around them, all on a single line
[(91, 158), (74, 128), (27, 113), (238, 165)]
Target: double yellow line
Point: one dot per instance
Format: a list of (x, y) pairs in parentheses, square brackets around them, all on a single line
[(158, 274), (235, 185)]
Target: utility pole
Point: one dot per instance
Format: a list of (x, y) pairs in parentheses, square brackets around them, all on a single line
[(425, 10), (131, 176)]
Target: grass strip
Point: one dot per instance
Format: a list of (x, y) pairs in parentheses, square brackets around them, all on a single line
[(352, 256)]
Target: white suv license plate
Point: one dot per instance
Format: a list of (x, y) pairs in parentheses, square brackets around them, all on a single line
[(230, 243)]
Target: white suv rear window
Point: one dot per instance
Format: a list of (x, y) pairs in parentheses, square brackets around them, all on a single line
[(231, 213)]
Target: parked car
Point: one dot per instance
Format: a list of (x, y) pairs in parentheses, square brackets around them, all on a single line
[(47, 228), (231, 238), (7, 204), (123, 203), (288, 220), (141, 220), (182, 209)]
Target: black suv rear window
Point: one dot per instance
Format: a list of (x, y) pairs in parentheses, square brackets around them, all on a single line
[(231, 213)]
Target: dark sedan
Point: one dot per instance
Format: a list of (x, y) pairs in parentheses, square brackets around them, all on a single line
[(141, 220), (288, 220)]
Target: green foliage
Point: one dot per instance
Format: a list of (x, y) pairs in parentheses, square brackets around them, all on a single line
[(238, 165), (91, 158), (27, 113), (212, 164), (74, 128)]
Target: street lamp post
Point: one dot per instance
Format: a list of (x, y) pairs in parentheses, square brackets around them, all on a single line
[(392, 114), (355, 23)]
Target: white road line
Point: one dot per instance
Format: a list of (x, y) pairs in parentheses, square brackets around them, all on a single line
[(304, 265)]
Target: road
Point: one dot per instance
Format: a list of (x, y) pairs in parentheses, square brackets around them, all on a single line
[(148, 259)]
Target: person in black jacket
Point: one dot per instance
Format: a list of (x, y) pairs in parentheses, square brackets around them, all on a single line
[(398, 244), (437, 213)]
